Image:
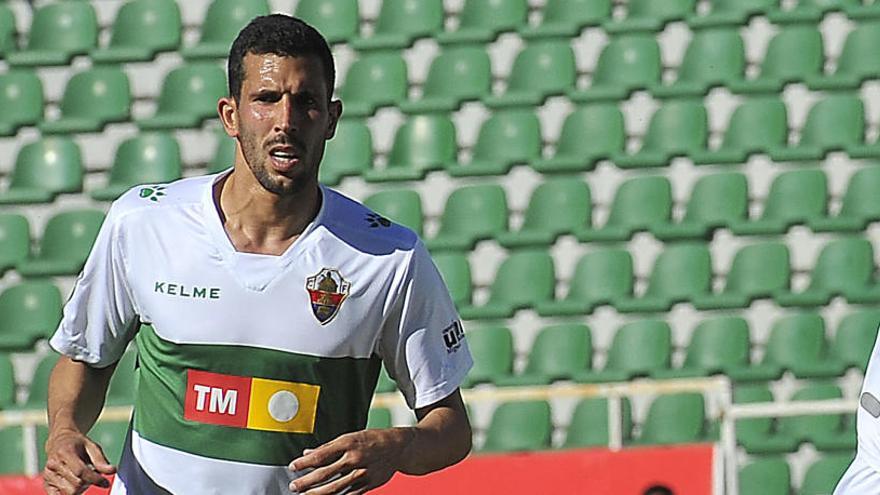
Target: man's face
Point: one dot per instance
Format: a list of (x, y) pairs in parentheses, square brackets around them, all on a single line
[(282, 119)]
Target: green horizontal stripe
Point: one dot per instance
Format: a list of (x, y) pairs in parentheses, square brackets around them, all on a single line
[(347, 386)]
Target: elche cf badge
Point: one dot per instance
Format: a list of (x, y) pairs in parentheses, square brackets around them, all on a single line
[(327, 290)]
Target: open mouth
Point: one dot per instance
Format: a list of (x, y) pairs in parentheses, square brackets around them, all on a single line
[(284, 158)]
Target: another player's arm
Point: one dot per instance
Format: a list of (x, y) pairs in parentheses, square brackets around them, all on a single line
[(367, 459), (76, 397)]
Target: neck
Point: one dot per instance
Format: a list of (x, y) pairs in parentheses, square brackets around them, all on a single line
[(258, 221)]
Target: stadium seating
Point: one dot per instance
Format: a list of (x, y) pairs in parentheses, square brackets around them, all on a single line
[(147, 158), (379, 417), (58, 32), (400, 23), (638, 349), (12, 460), (857, 208), (824, 431), (221, 24), (758, 125), (603, 276), (717, 345), (423, 143), (65, 244), (519, 426), (758, 270), (770, 476), (795, 197), (855, 337), (524, 279), (38, 391), (374, 80), (759, 435), (565, 18), (189, 95), (14, 240), (492, 350), (481, 21), (7, 30), (795, 54), (456, 273), (142, 29), (844, 268), (810, 10), (509, 137), (714, 57), (111, 437), (627, 63), (558, 353), (835, 123), (853, 67), (541, 69), (732, 12), (589, 423), (44, 169), (29, 311), (557, 206), (648, 15), (21, 95), (337, 20), (224, 154), (640, 203), (349, 153), (822, 476), (717, 200), (681, 273), (92, 99), (457, 74), (674, 418), (403, 206), (472, 213), (679, 127), (590, 133)]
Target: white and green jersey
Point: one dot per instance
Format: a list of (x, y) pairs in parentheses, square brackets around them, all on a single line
[(246, 359)]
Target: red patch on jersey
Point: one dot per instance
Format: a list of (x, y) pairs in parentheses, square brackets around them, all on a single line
[(217, 399), (326, 291)]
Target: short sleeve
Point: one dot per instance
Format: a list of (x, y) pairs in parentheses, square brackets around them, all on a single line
[(99, 318), (423, 344)]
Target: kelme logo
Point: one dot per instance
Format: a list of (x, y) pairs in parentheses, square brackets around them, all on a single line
[(153, 193)]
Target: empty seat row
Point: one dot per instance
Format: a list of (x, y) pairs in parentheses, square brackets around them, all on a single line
[(797, 343), (561, 206), (61, 250), (771, 475)]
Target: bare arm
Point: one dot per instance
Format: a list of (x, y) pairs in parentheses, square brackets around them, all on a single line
[(367, 459), (76, 397)]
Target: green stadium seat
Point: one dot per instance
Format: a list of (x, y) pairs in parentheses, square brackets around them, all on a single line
[(674, 418), (732, 12), (65, 244), (508, 137), (541, 69), (59, 31), (148, 158), (717, 344), (681, 272), (481, 21), (590, 133), (858, 207), (796, 343), (111, 437), (758, 125), (7, 382), (650, 15), (769, 476), (403, 206), (188, 96), (336, 20), (221, 24), (795, 197), (603, 276), (38, 390), (456, 272), (822, 429), (714, 57), (558, 353), (12, 460), (7, 31), (638, 348), (758, 270), (142, 29), (519, 426), (855, 338), (627, 63), (423, 143), (401, 22), (123, 385), (15, 240), (43, 170), (374, 80), (565, 18), (385, 384), (870, 11), (379, 418), (795, 54), (524, 279), (589, 423), (21, 96), (349, 153), (835, 123), (716, 201), (640, 203), (822, 476), (29, 311), (92, 99), (457, 74), (679, 127), (492, 349), (557, 206), (224, 154), (810, 11), (472, 213), (759, 435), (844, 268)]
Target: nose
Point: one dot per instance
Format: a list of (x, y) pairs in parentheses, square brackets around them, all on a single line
[(285, 118)]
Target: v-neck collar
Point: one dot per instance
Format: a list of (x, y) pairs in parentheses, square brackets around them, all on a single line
[(261, 269)]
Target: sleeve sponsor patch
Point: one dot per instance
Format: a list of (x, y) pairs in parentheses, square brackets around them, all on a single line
[(453, 336)]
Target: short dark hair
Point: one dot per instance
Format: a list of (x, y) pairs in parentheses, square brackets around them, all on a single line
[(658, 490), (281, 35)]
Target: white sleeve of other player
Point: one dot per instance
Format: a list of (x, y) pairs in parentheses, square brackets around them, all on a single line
[(99, 318), (423, 344)]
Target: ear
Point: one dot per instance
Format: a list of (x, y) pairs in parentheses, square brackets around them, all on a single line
[(228, 110), (335, 112)]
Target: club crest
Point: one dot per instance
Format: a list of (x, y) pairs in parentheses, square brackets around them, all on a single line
[(327, 290)]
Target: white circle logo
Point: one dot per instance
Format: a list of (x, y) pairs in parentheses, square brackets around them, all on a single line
[(283, 406)]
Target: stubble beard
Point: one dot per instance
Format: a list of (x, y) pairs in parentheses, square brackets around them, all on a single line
[(258, 163)]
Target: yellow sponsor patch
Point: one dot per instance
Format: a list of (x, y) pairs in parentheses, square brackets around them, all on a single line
[(277, 405)]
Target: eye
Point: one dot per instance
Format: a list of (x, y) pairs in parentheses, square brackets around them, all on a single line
[(268, 97)]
